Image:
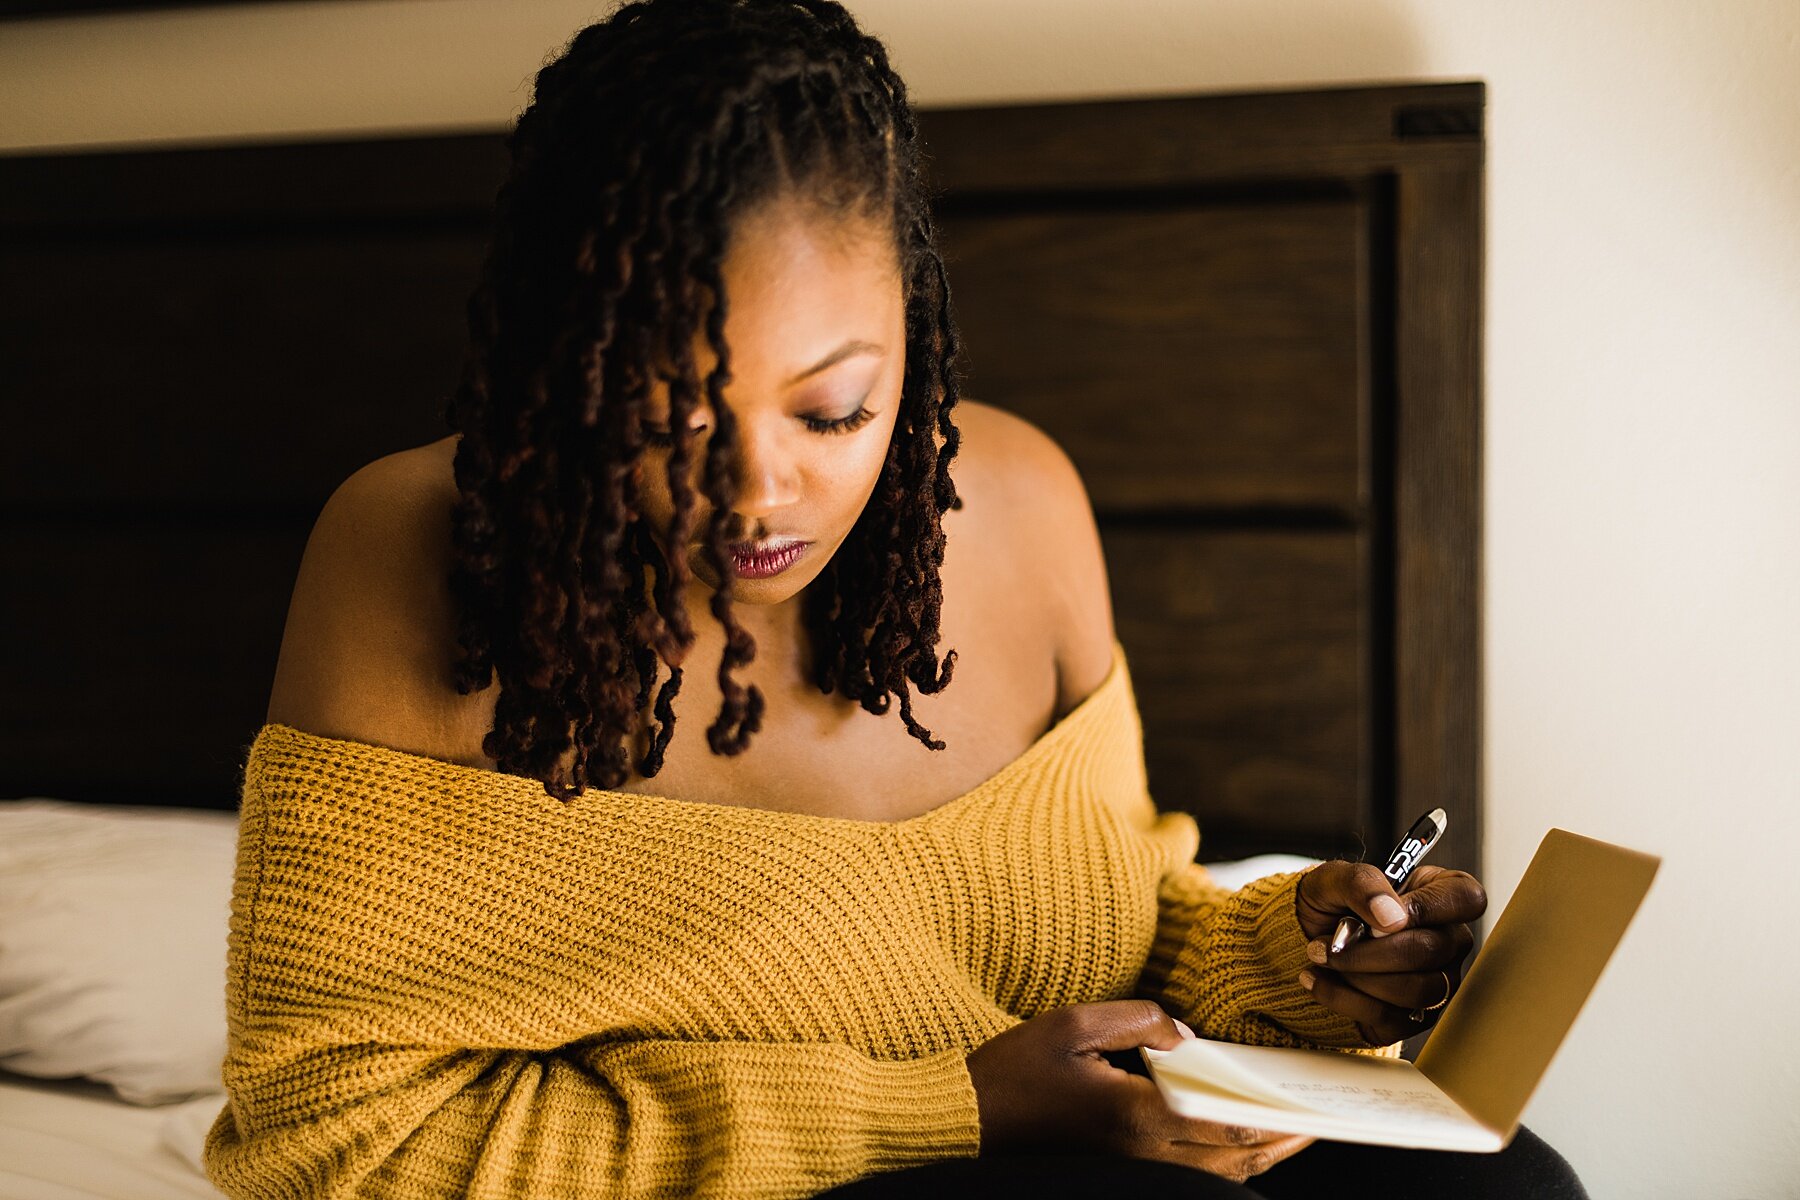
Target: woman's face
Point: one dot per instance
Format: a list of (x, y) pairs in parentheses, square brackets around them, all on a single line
[(817, 333)]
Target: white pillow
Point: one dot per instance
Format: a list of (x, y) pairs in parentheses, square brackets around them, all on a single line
[(113, 922), (1238, 872)]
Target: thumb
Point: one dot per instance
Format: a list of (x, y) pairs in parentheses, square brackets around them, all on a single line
[(1360, 888), (1128, 1024)]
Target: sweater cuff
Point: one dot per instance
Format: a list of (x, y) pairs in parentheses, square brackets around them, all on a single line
[(1243, 973), (1272, 920), (921, 1110), (1283, 947)]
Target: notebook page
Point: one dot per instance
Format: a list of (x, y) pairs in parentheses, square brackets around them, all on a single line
[(1324, 1093), (1311, 1080)]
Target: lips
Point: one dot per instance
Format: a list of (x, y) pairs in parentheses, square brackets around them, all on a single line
[(762, 549), (770, 557)]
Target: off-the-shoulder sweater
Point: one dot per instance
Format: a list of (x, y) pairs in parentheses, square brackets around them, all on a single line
[(443, 981)]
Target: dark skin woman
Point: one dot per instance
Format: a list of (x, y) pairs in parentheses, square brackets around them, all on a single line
[(714, 315)]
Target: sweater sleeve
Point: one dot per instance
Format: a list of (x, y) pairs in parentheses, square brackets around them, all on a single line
[(627, 1119), (1228, 962)]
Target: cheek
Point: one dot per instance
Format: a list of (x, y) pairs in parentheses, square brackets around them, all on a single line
[(654, 503), (854, 473), (649, 488)]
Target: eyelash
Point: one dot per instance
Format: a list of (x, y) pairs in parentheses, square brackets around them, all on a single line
[(850, 424)]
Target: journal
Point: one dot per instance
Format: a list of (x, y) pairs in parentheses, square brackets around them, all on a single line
[(1489, 1050)]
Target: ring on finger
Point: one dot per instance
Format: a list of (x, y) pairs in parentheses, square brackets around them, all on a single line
[(1417, 1015)]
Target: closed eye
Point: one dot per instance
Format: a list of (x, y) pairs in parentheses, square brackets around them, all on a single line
[(850, 424), (846, 424)]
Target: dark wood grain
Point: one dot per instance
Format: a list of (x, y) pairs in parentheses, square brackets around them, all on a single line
[(1252, 319), (139, 655), (224, 370), (1246, 653), (380, 182), (1190, 355), (1230, 140), (1437, 505)]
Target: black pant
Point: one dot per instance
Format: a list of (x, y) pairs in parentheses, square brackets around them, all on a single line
[(1528, 1169)]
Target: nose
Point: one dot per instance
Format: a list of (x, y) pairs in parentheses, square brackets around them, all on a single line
[(768, 474)]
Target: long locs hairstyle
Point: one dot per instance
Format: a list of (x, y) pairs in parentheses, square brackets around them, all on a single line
[(644, 141)]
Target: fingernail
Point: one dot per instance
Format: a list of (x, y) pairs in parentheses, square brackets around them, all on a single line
[(1387, 910), (1185, 1031), (1316, 951), (1306, 978)]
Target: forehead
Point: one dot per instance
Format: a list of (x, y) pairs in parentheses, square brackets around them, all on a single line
[(795, 281)]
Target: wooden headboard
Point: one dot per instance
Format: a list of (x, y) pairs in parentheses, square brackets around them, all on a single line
[(1252, 319)]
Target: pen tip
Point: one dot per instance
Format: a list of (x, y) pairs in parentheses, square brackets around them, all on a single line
[(1439, 817)]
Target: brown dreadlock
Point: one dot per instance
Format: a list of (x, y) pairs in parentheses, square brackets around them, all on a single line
[(651, 134)]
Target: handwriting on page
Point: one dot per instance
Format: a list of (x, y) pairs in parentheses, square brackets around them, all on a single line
[(1423, 1105)]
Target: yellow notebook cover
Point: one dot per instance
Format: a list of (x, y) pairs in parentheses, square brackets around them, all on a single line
[(1489, 1050)]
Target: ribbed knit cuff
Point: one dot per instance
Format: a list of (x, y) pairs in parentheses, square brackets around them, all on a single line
[(1284, 950), (1185, 905), (1239, 971), (922, 1110)]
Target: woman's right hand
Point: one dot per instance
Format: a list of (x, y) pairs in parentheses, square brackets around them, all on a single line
[(1043, 1084)]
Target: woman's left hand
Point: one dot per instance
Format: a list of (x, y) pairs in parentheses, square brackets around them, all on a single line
[(1411, 959)]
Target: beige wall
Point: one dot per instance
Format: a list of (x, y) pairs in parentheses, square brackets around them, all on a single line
[(1642, 437)]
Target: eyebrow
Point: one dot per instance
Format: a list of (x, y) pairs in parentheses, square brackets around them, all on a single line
[(852, 347)]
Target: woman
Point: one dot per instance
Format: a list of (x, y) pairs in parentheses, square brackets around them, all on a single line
[(497, 931)]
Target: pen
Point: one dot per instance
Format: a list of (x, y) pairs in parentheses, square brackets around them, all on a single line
[(1404, 857)]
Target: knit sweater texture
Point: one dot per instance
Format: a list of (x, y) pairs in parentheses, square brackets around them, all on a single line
[(442, 981)]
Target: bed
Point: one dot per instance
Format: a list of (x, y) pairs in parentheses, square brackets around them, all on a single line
[(1252, 319)]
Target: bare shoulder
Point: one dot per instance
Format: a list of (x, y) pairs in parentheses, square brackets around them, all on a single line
[(1039, 510), (369, 626)]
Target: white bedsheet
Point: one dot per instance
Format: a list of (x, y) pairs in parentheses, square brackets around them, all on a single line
[(72, 1139)]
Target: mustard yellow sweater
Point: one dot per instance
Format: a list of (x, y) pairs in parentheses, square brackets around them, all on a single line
[(443, 982)]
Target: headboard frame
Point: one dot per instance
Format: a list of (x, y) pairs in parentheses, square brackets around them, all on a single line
[(1253, 320)]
